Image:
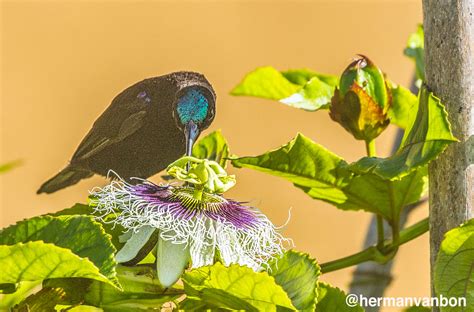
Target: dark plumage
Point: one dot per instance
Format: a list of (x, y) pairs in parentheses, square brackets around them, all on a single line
[(145, 128)]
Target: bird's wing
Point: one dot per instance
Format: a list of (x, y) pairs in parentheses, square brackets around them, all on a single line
[(128, 112), (106, 132)]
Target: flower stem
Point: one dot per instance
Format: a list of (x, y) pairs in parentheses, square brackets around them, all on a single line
[(371, 152), (374, 253), (370, 148)]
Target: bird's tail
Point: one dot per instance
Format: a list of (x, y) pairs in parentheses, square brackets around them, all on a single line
[(67, 177)]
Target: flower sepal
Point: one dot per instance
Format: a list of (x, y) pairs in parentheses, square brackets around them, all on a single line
[(204, 174)]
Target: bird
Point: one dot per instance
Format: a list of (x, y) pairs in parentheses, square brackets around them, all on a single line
[(146, 127)]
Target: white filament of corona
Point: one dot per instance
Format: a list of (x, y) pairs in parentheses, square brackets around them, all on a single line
[(253, 246)]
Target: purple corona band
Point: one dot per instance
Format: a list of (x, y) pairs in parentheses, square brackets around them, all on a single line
[(223, 210), (208, 227)]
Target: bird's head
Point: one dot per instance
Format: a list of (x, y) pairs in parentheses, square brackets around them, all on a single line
[(194, 109)]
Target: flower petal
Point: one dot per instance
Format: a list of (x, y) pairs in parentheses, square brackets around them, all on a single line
[(171, 260)]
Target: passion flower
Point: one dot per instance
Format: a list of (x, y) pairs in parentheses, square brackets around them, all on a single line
[(196, 225)]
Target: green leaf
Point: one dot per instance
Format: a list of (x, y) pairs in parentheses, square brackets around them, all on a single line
[(74, 289), (44, 300), (302, 162), (302, 88), (9, 166), (324, 176), (236, 287), (8, 288), (22, 290), (426, 137), (113, 229), (454, 268), (77, 209), (141, 291), (302, 76), (189, 304), (415, 51), (213, 147), (36, 261), (384, 197), (266, 82), (80, 234), (316, 94), (84, 308), (332, 299), (298, 275), (404, 106)]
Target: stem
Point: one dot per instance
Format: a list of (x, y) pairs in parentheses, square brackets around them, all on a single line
[(380, 255), (371, 279), (362, 256), (380, 232), (371, 152), (370, 148), (396, 231)]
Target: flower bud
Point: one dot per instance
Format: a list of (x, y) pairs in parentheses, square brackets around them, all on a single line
[(361, 103)]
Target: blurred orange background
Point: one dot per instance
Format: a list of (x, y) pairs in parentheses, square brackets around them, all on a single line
[(62, 62)]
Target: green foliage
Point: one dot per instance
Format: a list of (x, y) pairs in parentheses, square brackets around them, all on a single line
[(297, 88), (20, 292), (9, 166), (332, 299), (266, 82), (141, 291), (114, 230), (36, 261), (324, 175), (404, 103), (425, 138), (291, 272), (44, 300), (72, 255), (415, 51), (236, 287), (76, 209), (78, 239), (309, 90), (454, 268), (213, 147)]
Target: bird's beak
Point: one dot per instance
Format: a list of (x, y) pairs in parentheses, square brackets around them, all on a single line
[(191, 131)]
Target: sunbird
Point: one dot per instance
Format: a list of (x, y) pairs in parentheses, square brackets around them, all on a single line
[(146, 127)]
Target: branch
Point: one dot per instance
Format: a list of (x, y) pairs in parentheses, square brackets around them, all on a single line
[(379, 255)]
